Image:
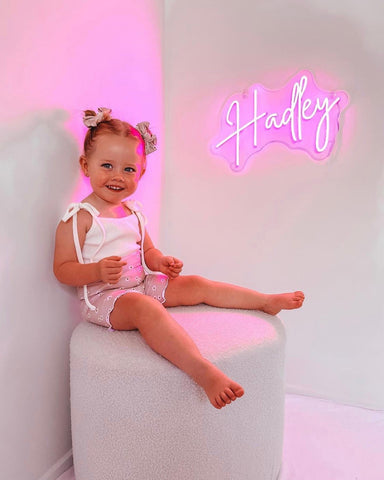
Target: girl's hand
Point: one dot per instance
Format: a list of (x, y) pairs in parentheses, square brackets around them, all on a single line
[(171, 266), (110, 269)]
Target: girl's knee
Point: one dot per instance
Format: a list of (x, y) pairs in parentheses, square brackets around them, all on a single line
[(200, 285), (131, 310), (195, 281), (194, 288), (138, 303)]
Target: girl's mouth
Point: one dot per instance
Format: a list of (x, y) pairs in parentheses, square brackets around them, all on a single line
[(114, 188)]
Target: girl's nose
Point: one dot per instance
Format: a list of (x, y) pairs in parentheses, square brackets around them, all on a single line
[(118, 176)]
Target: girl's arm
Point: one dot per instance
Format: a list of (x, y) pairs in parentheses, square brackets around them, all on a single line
[(158, 262), (66, 267)]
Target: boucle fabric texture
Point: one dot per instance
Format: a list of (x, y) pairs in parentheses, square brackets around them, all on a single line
[(137, 416)]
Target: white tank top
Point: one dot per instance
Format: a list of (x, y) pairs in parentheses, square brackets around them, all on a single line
[(122, 237)]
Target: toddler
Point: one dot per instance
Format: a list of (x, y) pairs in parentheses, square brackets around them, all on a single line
[(124, 281)]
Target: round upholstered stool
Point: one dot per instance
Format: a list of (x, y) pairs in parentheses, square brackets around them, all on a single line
[(136, 416)]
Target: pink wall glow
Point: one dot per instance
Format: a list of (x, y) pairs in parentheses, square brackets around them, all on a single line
[(77, 55)]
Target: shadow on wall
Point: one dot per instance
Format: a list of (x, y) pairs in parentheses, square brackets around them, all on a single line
[(38, 159)]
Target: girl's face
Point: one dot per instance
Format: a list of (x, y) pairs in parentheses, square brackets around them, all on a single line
[(114, 167)]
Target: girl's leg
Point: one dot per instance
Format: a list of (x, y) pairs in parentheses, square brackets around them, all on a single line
[(166, 337), (192, 290)]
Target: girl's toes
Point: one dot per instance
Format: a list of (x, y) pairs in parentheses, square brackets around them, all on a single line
[(230, 394), (239, 392), (219, 401), (225, 398)]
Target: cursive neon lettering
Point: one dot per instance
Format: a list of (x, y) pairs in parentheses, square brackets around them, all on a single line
[(300, 115)]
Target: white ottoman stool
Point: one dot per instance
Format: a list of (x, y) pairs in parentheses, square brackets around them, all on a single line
[(136, 416)]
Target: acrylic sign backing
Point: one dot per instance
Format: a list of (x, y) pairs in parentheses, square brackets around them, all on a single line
[(300, 115)]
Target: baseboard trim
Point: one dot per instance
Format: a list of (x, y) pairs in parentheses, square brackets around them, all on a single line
[(300, 390), (65, 462)]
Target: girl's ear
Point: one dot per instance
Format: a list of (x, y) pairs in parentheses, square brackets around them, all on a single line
[(143, 168), (84, 165)]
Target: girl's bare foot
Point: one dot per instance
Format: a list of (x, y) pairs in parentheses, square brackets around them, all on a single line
[(220, 389), (283, 301)]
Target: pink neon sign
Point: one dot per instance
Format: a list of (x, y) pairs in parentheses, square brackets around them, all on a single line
[(300, 115)]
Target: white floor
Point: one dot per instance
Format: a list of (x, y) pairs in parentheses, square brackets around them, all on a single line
[(327, 441)]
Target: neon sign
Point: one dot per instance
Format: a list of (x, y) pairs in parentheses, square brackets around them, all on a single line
[(300, 115)]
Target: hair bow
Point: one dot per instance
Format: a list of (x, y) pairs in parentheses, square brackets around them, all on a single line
[(92, 120), (150, 140)]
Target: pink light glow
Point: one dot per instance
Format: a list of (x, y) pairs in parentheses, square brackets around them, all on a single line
[(300, 115), (77, 55)]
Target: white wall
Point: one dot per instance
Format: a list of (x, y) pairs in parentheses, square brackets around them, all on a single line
[(37, 314), (287, 222), (57, 59)]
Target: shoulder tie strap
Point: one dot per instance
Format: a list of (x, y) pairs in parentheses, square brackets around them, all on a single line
[(135, 207), (72, 211), (75, 207)]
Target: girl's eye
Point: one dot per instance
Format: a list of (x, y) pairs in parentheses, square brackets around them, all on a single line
[(106, 165), (129, 169)]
